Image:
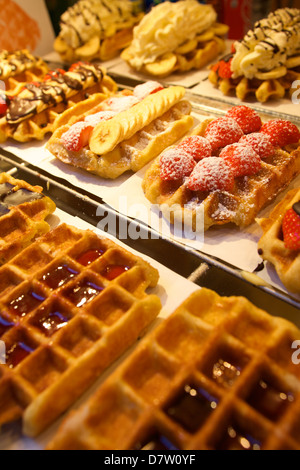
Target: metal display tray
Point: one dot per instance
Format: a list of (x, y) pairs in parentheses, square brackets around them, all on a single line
[(202, 269)]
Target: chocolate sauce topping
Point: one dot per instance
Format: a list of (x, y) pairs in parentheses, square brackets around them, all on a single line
[(50, 92), (10, 198), (296, 207)]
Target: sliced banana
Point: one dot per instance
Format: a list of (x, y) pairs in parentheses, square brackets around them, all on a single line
[(89, 49), (187, 47), (293, 62), (163, 66), (273, 74), (206, 36), (220, 29)]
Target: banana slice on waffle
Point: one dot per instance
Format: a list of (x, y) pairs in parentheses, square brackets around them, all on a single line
[(176, 38), (226, 171), (123, 133), (280, 243), (265, 64), (18, 68), (31, 114), (71, 304), (217, 374), (96, 30), (23, 210)]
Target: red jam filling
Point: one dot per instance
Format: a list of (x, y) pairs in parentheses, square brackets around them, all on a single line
[(17, 353), (83, 293), (59, 276), (111, 272), (25, 303), (89, 257)]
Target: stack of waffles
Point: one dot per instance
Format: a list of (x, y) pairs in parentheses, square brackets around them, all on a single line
[(71, 303), (280, 243), (18, 68), (31, 114), (178, 37), (124, 132), (96, 29), (226, 171), (23, 210), (265, 64), (217, 374)]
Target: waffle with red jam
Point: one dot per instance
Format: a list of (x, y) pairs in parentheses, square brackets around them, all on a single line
[(226, 172), (71, 303), (218, 374)]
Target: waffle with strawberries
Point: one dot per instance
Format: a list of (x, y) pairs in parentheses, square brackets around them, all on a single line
[(226, 172), (124, 132), (31, 114), (280, 242), (217, 374), (71, 303), (23, 210)]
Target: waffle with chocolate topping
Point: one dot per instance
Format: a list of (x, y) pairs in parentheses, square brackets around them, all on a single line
[(96, 29), (201, 209), (32, 112), (127, 139), (266, 62), (271, 245), (18, 68), (215, 375), (71, 304), (23, 210)]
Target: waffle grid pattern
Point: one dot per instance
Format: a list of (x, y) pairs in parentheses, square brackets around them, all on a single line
[(64, 322), (23, 210), (239, 206), (217, 374)]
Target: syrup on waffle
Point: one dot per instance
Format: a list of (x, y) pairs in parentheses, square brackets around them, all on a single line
[(122, 133), (23, 210), (216, 375), (274, 245), (32, 112), (225, 188), (71, 304)]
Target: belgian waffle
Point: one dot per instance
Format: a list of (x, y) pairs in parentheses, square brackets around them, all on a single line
[(18, 68), (216, 375), (271, 246), (23, 210), (191, 55), (262, 90), (265, 64), (32, 112), (240, 206), (96, 30), (131, 138), (70, 304)]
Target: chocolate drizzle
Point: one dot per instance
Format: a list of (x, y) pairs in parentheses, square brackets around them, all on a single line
[(12, 197), (296, 208), (52, 91)]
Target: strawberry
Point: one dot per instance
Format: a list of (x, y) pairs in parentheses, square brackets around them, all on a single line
[(196, 146), (146, 89), (291, 230), (211, 174), (223, 131), (261, 144), (223, 67), (3, 104), (281, 132), (77, 136), (94, 119), (248, 119), (175, 164), (242, 159)]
